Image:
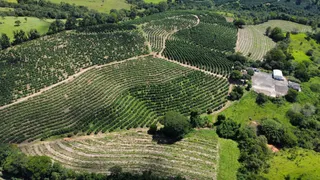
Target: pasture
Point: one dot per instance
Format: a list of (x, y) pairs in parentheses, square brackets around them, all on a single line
[(299, 47), (194, 157), (295, 163), (7, 25), (103, 6), (247, 110), (154, 1), (6, 9)]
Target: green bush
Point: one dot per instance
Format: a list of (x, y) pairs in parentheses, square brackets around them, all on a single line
[(175, 125), (228, 129)]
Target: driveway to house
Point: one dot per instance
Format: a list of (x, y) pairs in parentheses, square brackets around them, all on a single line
[(264, 83)]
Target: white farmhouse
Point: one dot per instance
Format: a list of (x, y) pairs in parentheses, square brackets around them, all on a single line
[(277, 74)]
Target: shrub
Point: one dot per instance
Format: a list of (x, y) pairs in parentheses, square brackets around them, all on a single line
[(236, 93), (228, 129), (261, 99), (175, 125), (291, 96), (152, 129)]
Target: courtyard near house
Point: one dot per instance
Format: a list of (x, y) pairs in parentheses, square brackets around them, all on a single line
[(264, 83)]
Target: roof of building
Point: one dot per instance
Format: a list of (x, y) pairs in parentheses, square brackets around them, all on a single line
[(277, 72), (294, 85)]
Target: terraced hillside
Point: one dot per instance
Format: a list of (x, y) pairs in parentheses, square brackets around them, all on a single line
[(118, 96), (252, 41), (195, 157)]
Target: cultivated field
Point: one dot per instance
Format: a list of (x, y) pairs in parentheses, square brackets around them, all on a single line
[(195, 157), (7, 25), (253, 43), (34, 65), (119, 96), (100, 5)]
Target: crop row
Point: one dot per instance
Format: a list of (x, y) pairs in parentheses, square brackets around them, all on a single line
[(36, 64), (192, 157), (103, 100), (253, 43), (200, 57)]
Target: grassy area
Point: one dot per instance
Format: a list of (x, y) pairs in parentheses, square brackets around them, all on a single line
[(228, 161), (8, 25), (300, 45), (99, 5), (247, 109), (6, 9), (307, 95), (295, 163), (12, 1), (154, 1), (286, 26)]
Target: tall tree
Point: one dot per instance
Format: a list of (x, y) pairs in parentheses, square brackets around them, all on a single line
[(33, 34), (71, 23), (56, 26), (4, 41), (19, 37)]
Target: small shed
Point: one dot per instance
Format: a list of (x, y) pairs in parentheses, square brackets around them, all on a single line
[(277, 74), (294, 86)]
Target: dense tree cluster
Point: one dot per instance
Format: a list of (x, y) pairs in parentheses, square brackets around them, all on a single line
[(176, 125), (253, 150), (236, 94)]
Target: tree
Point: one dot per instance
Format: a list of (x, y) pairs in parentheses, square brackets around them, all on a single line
[(4, 41), (220, 119), (39, 167), (239, 23), (268, 30), (71, 23), (175, 125), (33, 34), (19, 37), (273, 130), (162, 6), (56, 26), (17, 23), (195, 119), (235, 75), (236, 93), (152, 129), (228, 129), (261, 99), (292, 95), (115, 170), (277, 34)]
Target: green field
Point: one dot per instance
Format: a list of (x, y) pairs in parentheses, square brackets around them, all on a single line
[(296, 163), (300, 45), (228, 159), (8, 25), (247, 110), (6, 9), (103, 6), (154, 1)]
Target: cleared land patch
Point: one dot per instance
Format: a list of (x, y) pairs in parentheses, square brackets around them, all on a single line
[(294, 163), (299, 46), (195, 157), (7, 25), (99, 5), (110, 98)]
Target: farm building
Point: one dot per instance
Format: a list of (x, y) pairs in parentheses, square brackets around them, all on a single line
[(294, 86), (277, 74)]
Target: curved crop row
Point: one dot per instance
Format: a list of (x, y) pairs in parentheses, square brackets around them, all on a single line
[(192, 158), (200, 57), (105, 99), (27, 68)]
